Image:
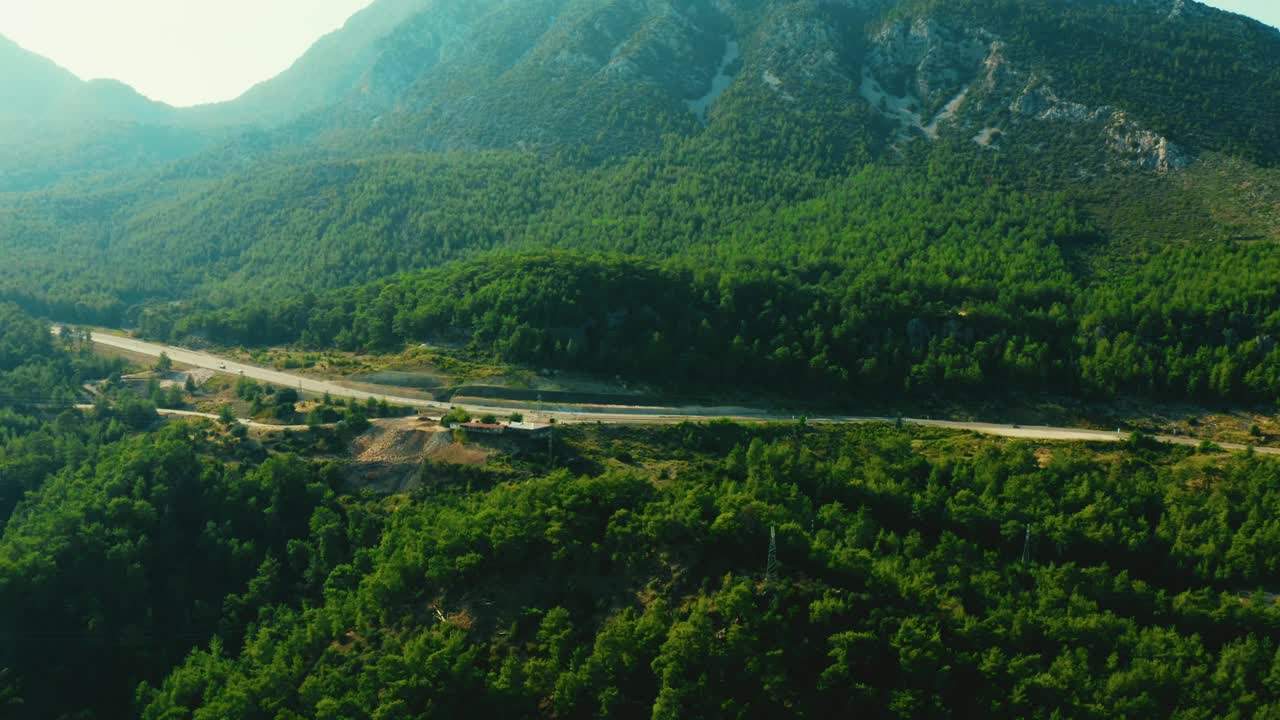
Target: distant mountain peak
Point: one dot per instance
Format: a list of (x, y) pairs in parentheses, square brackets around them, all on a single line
[(29, 80), (325, 73), (53, 125)]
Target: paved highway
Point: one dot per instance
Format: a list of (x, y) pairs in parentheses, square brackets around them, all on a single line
[(606, 414)]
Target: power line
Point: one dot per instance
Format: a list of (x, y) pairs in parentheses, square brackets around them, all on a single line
[(771, 565), (1026, 547)]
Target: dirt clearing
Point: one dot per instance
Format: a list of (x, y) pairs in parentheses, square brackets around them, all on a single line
[(443, 449), (400, 440)]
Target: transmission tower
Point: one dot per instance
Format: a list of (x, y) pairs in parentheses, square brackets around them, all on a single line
[(771, 567), (1026, 547)]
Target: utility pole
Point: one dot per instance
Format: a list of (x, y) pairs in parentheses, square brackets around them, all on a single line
[(771, 566), (551, 438)]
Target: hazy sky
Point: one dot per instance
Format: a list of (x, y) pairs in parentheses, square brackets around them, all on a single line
[(185, 52), (182, 52), (1268, 11)]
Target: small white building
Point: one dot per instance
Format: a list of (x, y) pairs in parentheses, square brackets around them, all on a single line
[(529, 429)]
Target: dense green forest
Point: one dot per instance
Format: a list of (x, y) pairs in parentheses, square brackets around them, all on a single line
[(40, 378), (916, 576), (122, 545), (890, 281), (182, 571)]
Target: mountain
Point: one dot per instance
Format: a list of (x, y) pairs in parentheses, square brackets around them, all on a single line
[(54, 125), (39, 91), (33, 83), (1001, 189), (331, 71), (611, 78), (615, 76)]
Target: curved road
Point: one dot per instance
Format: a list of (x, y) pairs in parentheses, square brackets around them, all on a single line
[(616, 414)]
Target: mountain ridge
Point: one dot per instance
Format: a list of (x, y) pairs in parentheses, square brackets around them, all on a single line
[(613, 76), (57, 127), (338, 54)]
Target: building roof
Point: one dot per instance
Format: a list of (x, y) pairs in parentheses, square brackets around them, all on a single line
[(528, 427), (481, 426)]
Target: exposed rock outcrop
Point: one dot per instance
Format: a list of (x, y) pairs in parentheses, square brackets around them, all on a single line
[(927, 77), (1142, 147)]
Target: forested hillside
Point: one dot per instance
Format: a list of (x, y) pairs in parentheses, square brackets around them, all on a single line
[(122, 548), (40, 377), (907, 197), (893, 281), (916, 577), (182, 572)]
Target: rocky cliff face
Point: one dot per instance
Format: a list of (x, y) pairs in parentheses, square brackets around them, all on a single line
[(929, 78)]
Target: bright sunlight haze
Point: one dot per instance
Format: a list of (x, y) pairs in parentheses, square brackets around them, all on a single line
[(182, 52)]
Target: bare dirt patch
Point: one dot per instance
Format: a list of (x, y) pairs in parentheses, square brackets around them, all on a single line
[(442, 448), (390, 454), (200, 376), (1044, 456), (399, 440)]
